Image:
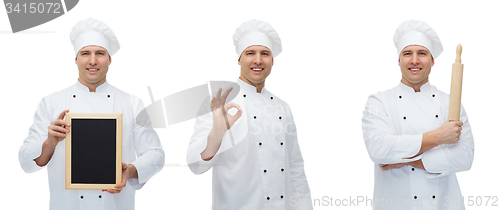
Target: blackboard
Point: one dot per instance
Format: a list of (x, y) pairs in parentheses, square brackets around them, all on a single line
[(93, 150)]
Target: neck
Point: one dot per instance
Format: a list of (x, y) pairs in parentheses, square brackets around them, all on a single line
[(91, 86), (257, 86), (416, 86)]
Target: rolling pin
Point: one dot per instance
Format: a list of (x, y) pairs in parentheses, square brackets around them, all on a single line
[(456, 86)]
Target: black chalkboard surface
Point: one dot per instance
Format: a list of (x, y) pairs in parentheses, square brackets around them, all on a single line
[(93, 150)]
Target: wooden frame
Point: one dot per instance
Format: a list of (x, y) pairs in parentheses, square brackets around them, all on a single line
[(95, 134)]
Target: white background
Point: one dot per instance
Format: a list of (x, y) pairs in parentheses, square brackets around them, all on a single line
[(335, 54)]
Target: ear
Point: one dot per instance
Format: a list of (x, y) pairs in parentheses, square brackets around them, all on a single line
[(76, 60), (110, 60), (432, 61), (239, 61)]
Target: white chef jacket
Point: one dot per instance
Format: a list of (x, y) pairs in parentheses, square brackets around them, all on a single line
[(393, 124), (264, 169), (140, 146)]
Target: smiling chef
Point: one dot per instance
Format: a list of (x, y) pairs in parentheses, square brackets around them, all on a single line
[(257, 163), (94, 44), (415, 148)]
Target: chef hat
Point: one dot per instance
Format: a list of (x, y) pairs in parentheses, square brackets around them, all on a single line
[(415, 32), (93, 32), (256, 32)]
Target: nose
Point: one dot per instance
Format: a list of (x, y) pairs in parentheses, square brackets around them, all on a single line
[(258, 59), (414, 59), (93, 59)]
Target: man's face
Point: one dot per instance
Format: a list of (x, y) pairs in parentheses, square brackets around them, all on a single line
[(256, 62), (93, 62), (415, 62)]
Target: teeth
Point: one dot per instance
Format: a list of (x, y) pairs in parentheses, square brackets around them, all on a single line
[(414, 69), (257, 69), (92, 69)]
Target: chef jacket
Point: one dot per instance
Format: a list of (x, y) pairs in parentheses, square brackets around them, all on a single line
[(140, 146), (264, 169), (393, 124)]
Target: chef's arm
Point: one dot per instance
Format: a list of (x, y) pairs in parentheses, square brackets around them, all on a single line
[(214, 140), (448, 133), (300, 186), (56, 133), (450, 158), (221, 122), (382, 144)]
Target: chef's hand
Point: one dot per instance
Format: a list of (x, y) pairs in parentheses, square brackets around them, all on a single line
[(128, 171), (56, 132), (386, 167), (416, 164), (222, 121), (57, 129), (448, 133)]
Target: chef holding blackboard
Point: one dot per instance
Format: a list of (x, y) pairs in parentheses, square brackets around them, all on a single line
[(142, 155)]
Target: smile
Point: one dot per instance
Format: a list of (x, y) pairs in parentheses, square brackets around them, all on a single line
[(93, 70), (257, 69), (415, 69)]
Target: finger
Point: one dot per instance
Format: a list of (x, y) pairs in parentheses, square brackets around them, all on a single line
[(224, 96), (217, 98), (212, 105), (113, 191), (60, 123), (63, 113), (232, 105), (56, 134), (238, 115), (58, 129)]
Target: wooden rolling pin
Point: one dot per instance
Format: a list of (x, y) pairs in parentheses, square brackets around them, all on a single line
[(456, 86)]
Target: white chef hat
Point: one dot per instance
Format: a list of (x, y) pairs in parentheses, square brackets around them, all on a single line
[(93, 32), (416, 32), (257, 32)]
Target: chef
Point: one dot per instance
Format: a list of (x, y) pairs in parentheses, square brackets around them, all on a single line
[(415, 148), (142, 155), (257, 163)]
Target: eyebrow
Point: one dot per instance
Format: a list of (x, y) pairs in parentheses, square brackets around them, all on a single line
[(97, 51)]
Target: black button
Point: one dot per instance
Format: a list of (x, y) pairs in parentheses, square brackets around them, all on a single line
[(254, 117), (415, 197), (244, 95), (400, 97), (437, 116), (81, 197), (433, 95), (109, 96), (271, 98), (282, 169), (281, 196), (74, 96), (433, 196), (281, 143), (412, 169), (280, 117), (268, 198), (265, 170), (260, 143), (100, 196), (404, 118)]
